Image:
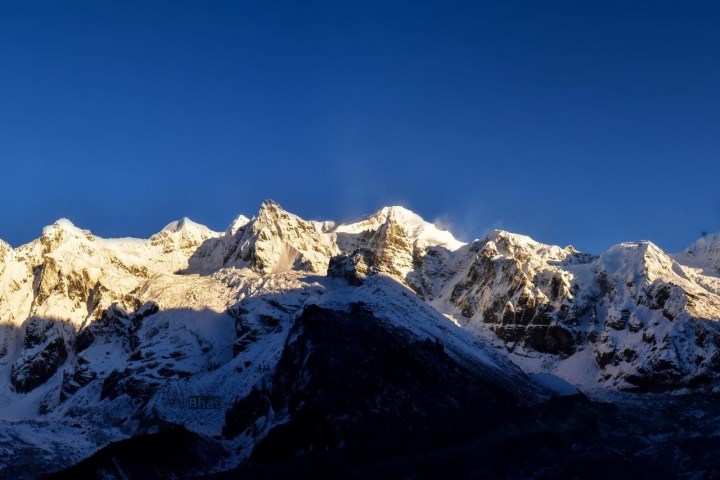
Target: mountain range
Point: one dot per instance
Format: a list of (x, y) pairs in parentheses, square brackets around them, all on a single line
[(383, 347)]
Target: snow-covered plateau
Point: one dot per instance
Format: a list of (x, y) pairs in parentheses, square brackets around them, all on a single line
[(283, 338)]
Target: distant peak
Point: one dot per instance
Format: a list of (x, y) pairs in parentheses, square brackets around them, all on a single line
[(272, 209), (178, 225), (413, 225), (706, 241), (185, 225), (395, 213), (641, 245), (517, 238), (398, 214), (703, 253), (397, 210), (636, 252), (506, 241), (64, 225), (62, 231), (239, 222), (269, 204)]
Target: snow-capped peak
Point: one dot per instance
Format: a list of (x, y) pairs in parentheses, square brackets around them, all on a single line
[(641, 259), (187, 228), (416, 228), (60, 233), (272, 209), (371, 222), (276, 241), (269, 203), (178, 225), (513, 244), (400, 214), (509, 238), (703, 254), (239, 222), (63, 225)]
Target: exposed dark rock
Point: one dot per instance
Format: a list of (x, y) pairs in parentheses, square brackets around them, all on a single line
[(242, 343), (245, 412), (44, 352), (549, 339), (125, 382), (635, 325), (78, 378), (618, 323), (354, 268), (115, 324), (604, 357), (172, 453), (661, 296), (344, 379)]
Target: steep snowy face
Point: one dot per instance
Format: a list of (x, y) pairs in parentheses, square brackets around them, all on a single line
[(417, 230), (182, 238), (516, 287), (68, 279), (703, 254), (15, 285), (399, 240), (653, 327), (646, 274), (277, 241), (630, 318), (70, 274), (238, 223)]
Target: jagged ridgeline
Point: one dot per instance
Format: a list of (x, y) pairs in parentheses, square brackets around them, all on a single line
[(237, 333)]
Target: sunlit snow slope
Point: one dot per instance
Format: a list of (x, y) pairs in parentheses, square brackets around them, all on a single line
[(105, 339)]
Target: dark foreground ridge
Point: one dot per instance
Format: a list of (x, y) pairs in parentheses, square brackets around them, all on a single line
[(363, 401)]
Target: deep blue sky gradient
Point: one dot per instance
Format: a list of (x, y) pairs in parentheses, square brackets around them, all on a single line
[(573, 122)]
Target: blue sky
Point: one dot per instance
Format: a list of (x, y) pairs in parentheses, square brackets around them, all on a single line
[(573, 122)]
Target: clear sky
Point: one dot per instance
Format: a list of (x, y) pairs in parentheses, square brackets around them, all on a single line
[(587, 123)]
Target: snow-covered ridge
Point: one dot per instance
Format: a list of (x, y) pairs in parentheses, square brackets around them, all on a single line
[(71, 274), (703, 254), (68, 273), (506, 286), (427, 259), (106, 332), (96, 333), (417, 229)]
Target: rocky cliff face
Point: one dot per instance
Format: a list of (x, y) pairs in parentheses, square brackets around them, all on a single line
[(129, 335), (277, 241), (631, 318)]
